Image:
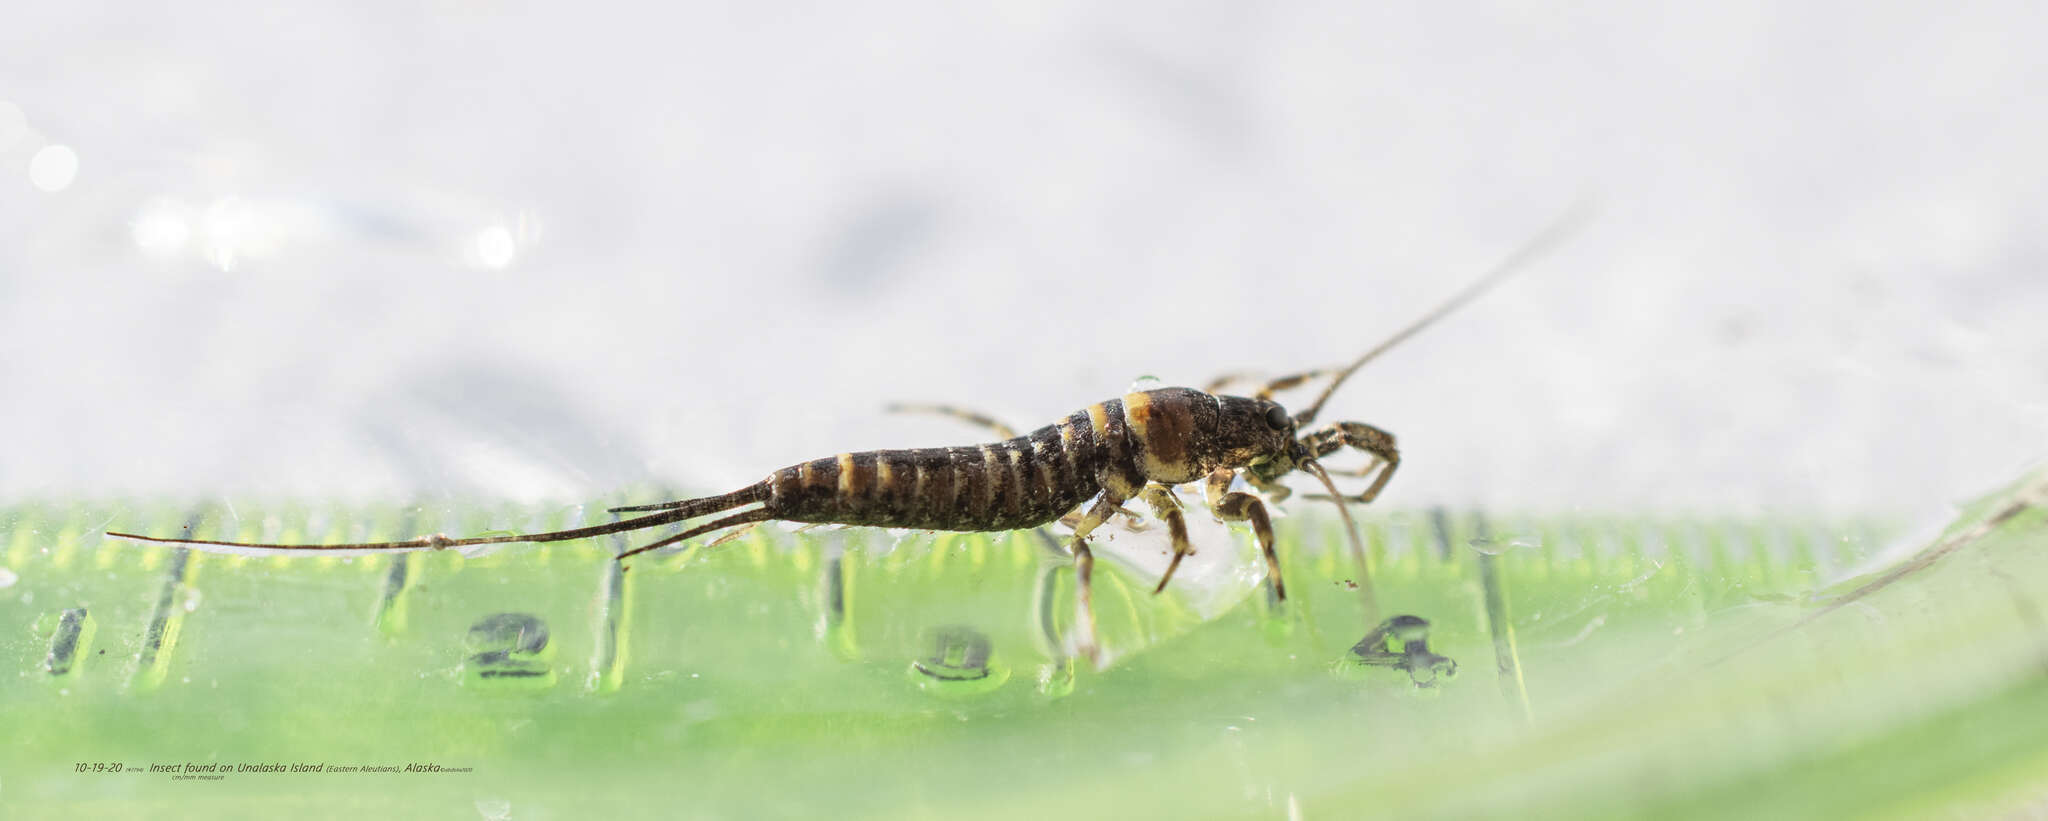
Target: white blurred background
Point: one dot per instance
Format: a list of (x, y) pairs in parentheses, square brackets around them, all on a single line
[(538, 251)]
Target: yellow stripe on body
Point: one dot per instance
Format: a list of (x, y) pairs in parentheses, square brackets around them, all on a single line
[(1046, 476), (990, 463), (1098, 418), (1138, 414), (1016, 481), (885, 479)]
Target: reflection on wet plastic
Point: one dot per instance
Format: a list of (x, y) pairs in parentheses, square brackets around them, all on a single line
[(835, 626), (507, 648), (960, 664), (71, 634), (478, 551), (1402, 642), (494, 809), (1496, 545)]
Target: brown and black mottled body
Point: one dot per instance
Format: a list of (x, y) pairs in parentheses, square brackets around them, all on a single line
[(1136, 447), (1170, 436), (1112, 449)]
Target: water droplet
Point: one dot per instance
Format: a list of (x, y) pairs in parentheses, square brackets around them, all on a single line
[(53, 168), (191, 599), (1146, 382), (8, 578), (494, 809)]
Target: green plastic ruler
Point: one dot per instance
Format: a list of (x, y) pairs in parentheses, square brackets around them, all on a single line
[(1605, 666)]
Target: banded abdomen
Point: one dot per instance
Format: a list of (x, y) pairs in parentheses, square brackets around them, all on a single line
[(1016, 483)]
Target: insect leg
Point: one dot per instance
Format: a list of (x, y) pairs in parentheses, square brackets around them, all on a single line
[(1238, 506), (1372, 440), (1271, 386), (1167, 507), (1136, 523), (962, 414), (1273, 490), (995, 425), (1084, 569), (1358, 471), (1288, 381)]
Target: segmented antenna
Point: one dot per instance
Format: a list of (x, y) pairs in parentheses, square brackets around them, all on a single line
[(1566, 225)]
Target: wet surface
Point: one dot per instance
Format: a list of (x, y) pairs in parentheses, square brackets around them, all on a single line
[(937, 671)]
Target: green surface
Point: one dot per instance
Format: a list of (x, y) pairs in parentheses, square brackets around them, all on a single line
[(1658, 668)]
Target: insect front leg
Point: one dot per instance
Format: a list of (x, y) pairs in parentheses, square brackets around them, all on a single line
[(1166, 506), (1084, 568), (1378, 443), (1238, 506), (1273, 490)]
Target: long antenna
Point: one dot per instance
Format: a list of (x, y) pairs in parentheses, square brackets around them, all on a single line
[(1566, 225)]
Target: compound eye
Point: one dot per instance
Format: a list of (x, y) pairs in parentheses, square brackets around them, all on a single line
[(1276, 418)]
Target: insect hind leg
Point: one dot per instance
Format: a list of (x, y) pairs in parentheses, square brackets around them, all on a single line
[(978, 419), (1084, 572), (956, 412)]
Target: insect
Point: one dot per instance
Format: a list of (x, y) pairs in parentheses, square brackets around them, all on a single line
[(1134, 448)]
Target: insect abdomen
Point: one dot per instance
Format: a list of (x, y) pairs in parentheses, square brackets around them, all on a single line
[(1016, 483)]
